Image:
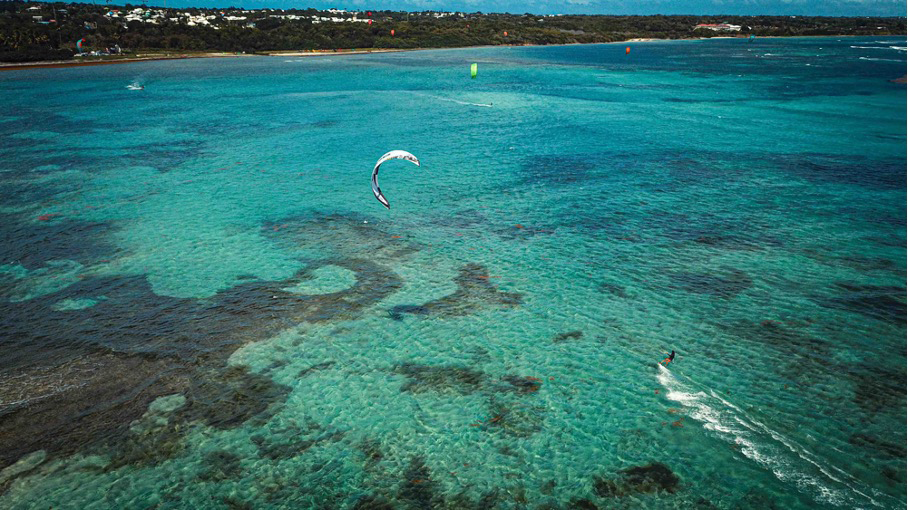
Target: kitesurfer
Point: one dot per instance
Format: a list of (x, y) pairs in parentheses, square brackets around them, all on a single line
[(669, 359)]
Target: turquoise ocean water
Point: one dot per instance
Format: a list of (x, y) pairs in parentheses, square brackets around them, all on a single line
[(203, 306)]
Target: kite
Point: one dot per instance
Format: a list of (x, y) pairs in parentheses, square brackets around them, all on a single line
[(397, 154)]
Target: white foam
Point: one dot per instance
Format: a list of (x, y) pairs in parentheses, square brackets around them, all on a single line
[(897, 48), (880, 59), (465, 103)]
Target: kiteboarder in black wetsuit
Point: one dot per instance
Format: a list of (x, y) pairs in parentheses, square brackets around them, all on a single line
[(669, 359)]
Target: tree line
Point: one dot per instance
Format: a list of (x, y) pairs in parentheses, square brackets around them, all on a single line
[(24, 38)]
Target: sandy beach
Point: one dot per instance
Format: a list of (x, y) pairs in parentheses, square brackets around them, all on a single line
[(12, 66)]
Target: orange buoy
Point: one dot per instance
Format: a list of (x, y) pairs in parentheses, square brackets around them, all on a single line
[(627, 51)]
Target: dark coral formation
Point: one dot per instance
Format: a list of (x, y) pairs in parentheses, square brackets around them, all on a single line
[(221, 465), (419, 490), (296, 446), (97, 369), (884, 303), (58, 238), (555, 170), (226, 399), (805, 357), (779, 335), (861, 263), (525, 384), (371, 449), (583, 504), (570, 335), (865, 171), (894, 450), (613, 289), (474, 292), (314, 368), (373, 503), (513, 419), (726, 284), (440, 379), (342, 236), (653, 477), (457, 379), (520, 232), (879, 388), (504, 413)]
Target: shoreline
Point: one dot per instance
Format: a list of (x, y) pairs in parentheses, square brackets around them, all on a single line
[(49, 64), (13, 66)]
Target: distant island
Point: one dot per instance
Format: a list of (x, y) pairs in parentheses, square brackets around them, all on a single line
[(32, 31)]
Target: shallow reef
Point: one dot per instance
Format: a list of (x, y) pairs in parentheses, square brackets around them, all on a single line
[(100, 367), (650, 478), (884, 303), (726, 284), (570, 335), (474, 292)]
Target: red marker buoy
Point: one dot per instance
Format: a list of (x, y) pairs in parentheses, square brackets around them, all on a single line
[(392, 33), (627, 51)]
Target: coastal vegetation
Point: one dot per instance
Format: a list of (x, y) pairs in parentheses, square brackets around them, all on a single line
[(48, 31)]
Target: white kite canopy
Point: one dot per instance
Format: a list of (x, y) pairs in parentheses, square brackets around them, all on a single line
[(398, 154)]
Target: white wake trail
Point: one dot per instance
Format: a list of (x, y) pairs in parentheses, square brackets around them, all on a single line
[(787, 460)]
